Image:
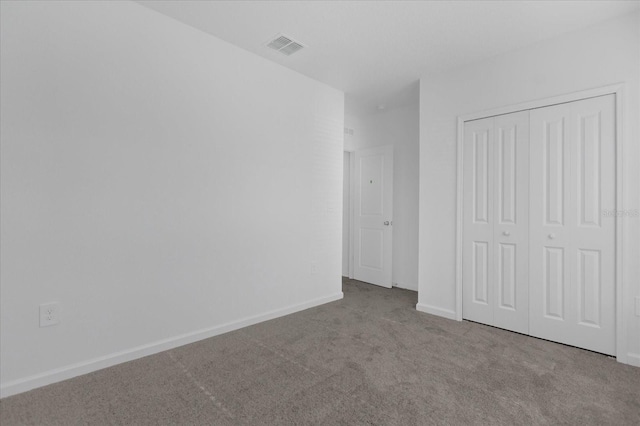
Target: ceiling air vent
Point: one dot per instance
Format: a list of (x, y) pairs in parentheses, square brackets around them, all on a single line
[(284, 45)]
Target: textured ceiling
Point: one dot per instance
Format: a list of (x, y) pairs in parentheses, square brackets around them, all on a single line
[(375, 51)]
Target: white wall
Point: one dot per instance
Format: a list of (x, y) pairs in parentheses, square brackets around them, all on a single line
[(601, 55), (399, 127), (160, 184)]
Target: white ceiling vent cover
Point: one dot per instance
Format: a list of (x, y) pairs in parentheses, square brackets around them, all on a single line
[(284, 45)]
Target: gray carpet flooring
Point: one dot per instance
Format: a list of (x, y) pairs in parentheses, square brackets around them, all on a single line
[(370, 359)]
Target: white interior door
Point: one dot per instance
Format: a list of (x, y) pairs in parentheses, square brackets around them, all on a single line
[(495, 221), (373, 196), (572, 245)]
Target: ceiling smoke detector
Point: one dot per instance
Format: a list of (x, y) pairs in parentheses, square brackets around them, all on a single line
[(284, 45)]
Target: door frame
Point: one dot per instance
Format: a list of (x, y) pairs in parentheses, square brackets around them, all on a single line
[(351, 211), (618, 91)]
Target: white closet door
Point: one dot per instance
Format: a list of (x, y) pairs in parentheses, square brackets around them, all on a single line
[(495, 221), (572, 245), (478, 217), (511, 225)]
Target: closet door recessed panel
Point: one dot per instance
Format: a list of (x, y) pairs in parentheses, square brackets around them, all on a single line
[(553, 146)]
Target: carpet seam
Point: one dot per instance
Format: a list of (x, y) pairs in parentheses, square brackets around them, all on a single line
[(200, 386)]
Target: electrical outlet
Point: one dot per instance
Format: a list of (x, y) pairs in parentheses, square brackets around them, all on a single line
[(314, 268), (49, 314)]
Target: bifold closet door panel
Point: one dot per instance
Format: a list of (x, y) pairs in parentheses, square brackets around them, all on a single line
[(572, 244), (495, 221), (511, 222), (478, 272)]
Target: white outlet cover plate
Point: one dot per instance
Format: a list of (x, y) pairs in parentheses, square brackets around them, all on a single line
[(49, 314)]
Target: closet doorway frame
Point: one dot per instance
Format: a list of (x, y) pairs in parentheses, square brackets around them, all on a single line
[(618, 91)]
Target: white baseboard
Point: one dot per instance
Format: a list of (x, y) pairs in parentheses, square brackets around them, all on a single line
[(633, 359), (630, 359), (52, 376), (406, 286), (446, 313)]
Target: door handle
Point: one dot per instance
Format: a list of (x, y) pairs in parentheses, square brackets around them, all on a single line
[(506, 233), (387, 223), (552, 236)]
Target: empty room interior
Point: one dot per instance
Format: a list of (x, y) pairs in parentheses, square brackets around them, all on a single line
[(319, 212)]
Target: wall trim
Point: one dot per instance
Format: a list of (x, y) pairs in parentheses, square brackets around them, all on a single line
[(633, 359), (412, 287), (352, 173), (545, 102), (59, 374), (434, 310), (615, 89)]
